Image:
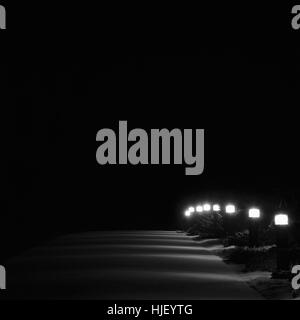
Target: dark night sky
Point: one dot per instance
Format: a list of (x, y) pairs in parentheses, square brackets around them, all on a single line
[(244, 106), (243, 95)]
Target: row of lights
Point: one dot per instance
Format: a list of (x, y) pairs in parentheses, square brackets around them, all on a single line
[(207, 208), (253, 213)]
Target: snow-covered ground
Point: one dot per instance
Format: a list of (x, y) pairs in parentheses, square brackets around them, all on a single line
[(126, 265), (262, 281)]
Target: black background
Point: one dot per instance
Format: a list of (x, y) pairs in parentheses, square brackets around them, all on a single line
[(233, 71)]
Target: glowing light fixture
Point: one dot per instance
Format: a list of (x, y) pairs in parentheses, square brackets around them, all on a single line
[(191, 209), (207, 207), (199, 209), (216, 207), (254, 213), (230, 208), (281, 219), (187, 213)]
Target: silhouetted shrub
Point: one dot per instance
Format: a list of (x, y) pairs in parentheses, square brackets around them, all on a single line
[(208, 224), (240, 239), (267, 237), (263, 258)]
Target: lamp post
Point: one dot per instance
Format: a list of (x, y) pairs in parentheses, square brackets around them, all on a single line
[(230, 210), (281, 221), (217, 218), (254, 215), (188, 214)]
